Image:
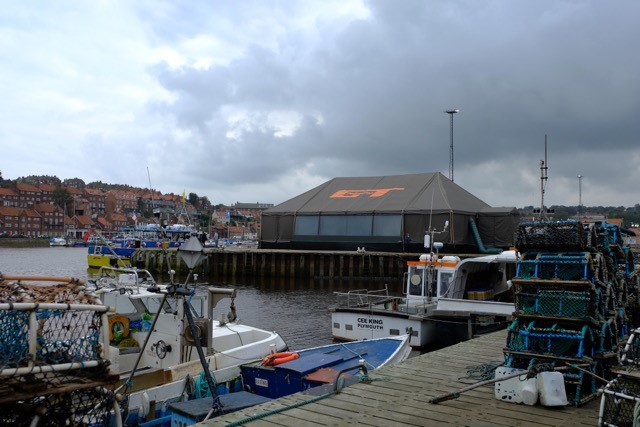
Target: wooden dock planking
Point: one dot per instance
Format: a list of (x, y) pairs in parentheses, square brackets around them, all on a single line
[(399, 395)]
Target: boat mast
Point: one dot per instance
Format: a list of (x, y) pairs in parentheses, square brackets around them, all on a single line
[(153, 205), (544, 166)]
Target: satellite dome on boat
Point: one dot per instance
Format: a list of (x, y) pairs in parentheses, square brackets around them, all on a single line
[(389, 213)]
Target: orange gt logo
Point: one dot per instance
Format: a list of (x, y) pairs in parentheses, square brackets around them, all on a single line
[(353, 194)]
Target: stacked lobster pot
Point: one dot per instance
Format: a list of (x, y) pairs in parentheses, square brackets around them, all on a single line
[(53, 369), (572, 298)]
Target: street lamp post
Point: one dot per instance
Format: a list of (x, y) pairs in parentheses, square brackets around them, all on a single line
[(451, 113), (579, 195)]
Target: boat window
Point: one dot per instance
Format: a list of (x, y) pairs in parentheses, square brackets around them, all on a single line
[(415, 283), (197, 306), (445, 280), (152, 304)]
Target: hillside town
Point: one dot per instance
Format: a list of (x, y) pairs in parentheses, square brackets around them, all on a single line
[(71, 209)]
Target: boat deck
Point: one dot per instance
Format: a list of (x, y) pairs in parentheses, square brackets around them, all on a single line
[(399, 396)]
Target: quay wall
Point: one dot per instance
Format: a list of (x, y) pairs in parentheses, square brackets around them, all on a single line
[(271, 263), (9, 242)]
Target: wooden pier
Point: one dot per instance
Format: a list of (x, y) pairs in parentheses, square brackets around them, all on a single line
[(253, 263), (399, 396)]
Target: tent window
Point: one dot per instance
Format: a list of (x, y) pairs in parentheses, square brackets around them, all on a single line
[(359, 225), (307, 225), (387, 225), (333, 225)]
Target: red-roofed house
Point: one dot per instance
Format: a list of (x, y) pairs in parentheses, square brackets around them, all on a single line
[(30, 223), (103, 225), (96, 199), (121, 201), (81, 224), (119, 220), (46, 193), (9, 220), (28, 195), (52, 219), (8, 197)]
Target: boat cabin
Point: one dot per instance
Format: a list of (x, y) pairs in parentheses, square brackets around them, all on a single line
[(429, 277)]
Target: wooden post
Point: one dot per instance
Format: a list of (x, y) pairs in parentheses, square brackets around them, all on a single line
[(351, 257), (332, 260)]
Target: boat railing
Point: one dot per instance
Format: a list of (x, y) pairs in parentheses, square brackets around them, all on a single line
[(124, 278), (362, 297)]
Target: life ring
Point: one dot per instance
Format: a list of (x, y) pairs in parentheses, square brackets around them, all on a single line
[(118, 327), (279, 358)]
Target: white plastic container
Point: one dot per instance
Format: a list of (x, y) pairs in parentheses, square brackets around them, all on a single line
[(516, 389), (551, 389)]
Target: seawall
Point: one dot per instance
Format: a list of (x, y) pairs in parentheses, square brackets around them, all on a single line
[(281, 263)]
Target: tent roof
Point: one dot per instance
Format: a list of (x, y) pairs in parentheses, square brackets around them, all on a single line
[(414, 193)]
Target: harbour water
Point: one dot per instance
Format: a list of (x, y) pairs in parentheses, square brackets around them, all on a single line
[(297, 310)]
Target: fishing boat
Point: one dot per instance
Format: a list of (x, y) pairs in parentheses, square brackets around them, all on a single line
[(152, 346), (104, 254), (57, 241), (119, 251), (315, 371), (446, 300)]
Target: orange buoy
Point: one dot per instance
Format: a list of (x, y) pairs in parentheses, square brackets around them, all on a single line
[(118, 327), (279, 358)]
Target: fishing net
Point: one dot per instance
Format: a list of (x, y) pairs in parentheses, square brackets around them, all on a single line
[(577, 296), (580, 386), (51, 353), (81, 407), (630, 355), (550, 339), (555, 266), (618, 402), (555, 300), (541, 235)]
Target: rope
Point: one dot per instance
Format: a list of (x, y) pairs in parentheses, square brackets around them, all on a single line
[(201, 385), (636, 414), (357, 354), (482, 372)]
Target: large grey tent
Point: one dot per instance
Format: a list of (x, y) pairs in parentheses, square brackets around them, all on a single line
[(377, 212)]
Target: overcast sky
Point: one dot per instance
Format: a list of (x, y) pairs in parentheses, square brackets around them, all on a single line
[(259, 101)]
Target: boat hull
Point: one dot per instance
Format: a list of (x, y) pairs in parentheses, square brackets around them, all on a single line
[(360, 324), (323, 365), (97, 261), (315, 368)]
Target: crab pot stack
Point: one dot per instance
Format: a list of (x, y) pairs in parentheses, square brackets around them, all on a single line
[(52, 364), (575, 296), (620, 397)]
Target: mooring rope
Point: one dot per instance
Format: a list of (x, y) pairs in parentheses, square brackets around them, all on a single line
[(482, 372)]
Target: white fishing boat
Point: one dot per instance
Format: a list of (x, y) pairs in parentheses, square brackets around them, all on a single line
[(445, 299), (153, 347), (57, 241)]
